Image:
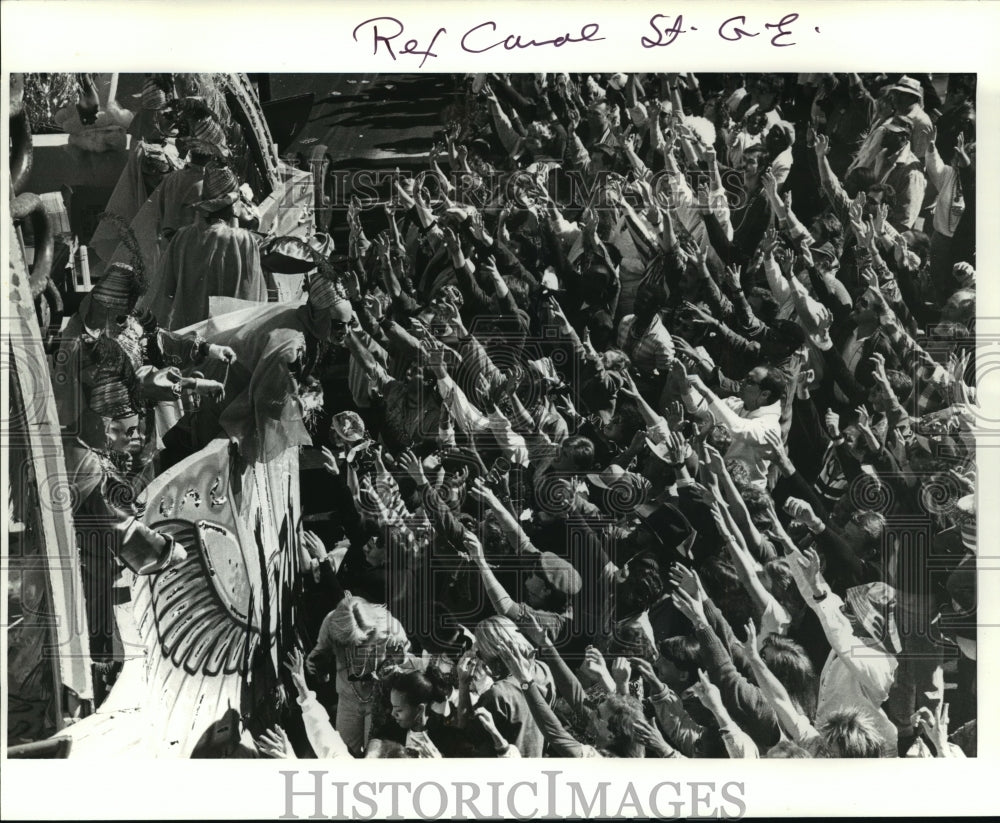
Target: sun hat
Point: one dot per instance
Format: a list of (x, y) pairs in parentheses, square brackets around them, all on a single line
[(908, 85), (874, 606)]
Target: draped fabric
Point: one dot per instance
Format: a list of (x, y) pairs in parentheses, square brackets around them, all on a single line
[(166, 210), (126, 200), (267, 418), (204, 261), (261, 410)]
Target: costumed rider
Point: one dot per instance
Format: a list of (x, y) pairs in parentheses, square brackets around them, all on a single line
[(107, 507), (271, 391)]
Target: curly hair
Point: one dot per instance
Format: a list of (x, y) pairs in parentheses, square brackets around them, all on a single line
[(624, 712)]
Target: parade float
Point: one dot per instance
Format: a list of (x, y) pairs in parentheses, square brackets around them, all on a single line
[(199, 642)]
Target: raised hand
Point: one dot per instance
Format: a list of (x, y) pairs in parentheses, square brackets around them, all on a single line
[(769, 184), (674, 414), (484, 494), (519, 664), (684, 578), (354, 212), (678, 449), (484, 716), (411, 464), (692, 609), (314, 545), (885, 312), (295, 663), (595, 666), (538, 634), (750, 646), (330, 462), (708, 693), (811, 566), (699, 315), (477, 227), (473, 547), (488, 266), (405, 197), (832, 422), (732, 277), (857, 208), (868, 277), (864, 418), (801, 512), (878, 221), (621, 672), (770, 241), (822, 145), (451, 242), (934, 724), (961, 157), (628, 387), (275, 743), (649, 735), (646, 671)]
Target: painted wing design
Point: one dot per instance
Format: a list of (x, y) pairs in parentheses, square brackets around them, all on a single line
[(204, 621)]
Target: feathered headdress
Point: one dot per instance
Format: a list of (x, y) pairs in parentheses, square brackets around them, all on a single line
[(131, 243)]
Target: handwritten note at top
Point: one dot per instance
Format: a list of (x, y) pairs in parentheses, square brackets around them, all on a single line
[(389, 37)]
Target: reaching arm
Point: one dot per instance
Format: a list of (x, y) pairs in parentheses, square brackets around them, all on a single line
[(794, 723), (504, 604)]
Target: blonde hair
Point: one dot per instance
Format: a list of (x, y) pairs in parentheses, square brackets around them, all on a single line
[(355, 622), (496, 633), (850, 733)]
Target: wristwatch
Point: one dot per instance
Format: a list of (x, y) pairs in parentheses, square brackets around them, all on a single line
[(525, 685)]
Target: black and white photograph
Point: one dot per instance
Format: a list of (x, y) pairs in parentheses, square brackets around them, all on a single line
[(493, 414)]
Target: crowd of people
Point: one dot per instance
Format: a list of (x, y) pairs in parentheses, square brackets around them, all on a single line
[(637, 423)]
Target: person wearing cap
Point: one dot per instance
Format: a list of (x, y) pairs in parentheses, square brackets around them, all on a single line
[(907, 96), (898, 166), (211, 258), (619, 491), (549, 588)]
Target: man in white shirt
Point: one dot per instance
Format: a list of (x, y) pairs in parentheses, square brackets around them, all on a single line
[(749, 417)]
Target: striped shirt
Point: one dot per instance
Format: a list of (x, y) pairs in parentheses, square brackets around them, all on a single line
[(653, 349)]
